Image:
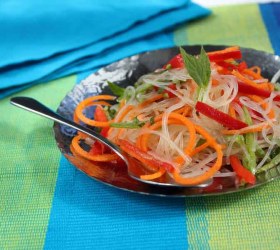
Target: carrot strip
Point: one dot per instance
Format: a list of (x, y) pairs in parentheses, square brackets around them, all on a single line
[(173, 118), (180, 160), (250, 82), (256, 69), (190, 126), (150, 100), (91, 101), (187, 111), (249, 129), (180, 110), (184, 111), (215, 82), (122, 103), (200, 148), (123, 112), (153, 176), (142, 141), (232, 112), (215, 167), (252, 73), (120, 133), (80, 151), (88, 121), (264, 105), (80, 108), (87, 166)]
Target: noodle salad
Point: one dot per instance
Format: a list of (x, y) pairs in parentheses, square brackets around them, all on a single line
[(196, 118)]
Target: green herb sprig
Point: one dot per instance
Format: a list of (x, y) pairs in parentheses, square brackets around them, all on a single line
[(116, 90), (198, 67)]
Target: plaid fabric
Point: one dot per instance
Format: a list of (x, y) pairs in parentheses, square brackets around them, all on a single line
[(248, 220), (29, 165), (47, 203)]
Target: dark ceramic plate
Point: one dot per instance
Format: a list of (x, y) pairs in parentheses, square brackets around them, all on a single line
[(126, 72)]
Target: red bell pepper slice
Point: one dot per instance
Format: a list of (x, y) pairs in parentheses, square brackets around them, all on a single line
[(251, 90), (100, 115), (215, 56), (241, 66), (144, 157), (225, 54), (171, 86), (219, 116), (227, 65), (99, 148), (242, 172), (176, 62)]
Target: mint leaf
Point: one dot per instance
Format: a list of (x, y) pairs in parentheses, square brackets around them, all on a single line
[(198, 67), (116, 90)]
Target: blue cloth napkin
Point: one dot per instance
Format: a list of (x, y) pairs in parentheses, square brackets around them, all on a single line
[(45, 40)]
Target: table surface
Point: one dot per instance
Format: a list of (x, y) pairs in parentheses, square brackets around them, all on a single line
[(47, 203)]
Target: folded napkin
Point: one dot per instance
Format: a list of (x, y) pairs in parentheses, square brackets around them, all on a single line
[(45, 40)]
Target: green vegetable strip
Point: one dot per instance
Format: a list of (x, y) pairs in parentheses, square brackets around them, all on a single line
[(250, 162), (133, 124), (117, 90), (260, 153), (275, 151), (275, 161)]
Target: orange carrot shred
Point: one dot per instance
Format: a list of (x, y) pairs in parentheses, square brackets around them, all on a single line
[(80, 151)]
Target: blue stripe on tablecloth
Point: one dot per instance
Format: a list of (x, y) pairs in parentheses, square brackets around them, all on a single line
[(271, 16), (87, 214)]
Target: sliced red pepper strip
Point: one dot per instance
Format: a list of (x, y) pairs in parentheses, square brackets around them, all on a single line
[(242, 172), (171, 86), (251, 90), (227, 65), (215, 56), (100, 116), (225, 54), (176, 62), (241, 66), (144, 157), (97, 147), (220, 117)]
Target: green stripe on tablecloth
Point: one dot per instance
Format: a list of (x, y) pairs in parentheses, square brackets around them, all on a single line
[(28, 175), (228, 25), (248, 220)]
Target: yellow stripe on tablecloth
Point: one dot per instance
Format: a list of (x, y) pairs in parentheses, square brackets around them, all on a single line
[(29, 165), (251, 219)]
